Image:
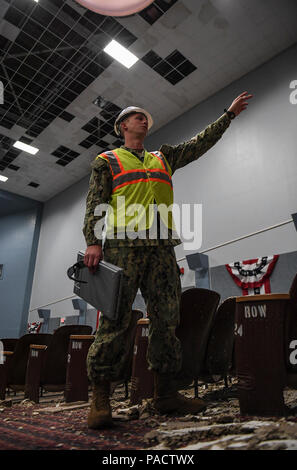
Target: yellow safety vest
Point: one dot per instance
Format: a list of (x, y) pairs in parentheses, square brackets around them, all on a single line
[(141, 185)]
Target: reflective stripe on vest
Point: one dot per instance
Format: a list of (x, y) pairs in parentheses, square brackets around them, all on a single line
[(123, 177), (161, 158), (114, 162), (138, 183)]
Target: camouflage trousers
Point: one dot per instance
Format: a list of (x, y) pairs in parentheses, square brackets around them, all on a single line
[(154, 270)]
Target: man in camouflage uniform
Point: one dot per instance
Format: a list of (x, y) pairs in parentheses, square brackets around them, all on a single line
[(149, 264)]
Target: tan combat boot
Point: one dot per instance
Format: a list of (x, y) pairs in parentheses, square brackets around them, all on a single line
[(100, 412), (167, 399)]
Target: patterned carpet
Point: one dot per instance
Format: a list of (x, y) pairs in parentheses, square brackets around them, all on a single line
[(24, 428)]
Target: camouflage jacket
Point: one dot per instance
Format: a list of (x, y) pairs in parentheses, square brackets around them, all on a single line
[(100, 187)]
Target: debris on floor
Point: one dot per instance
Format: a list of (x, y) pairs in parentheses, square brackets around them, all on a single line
[(219, 427)]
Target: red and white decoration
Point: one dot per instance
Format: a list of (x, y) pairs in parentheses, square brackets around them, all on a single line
[(253, 275), (34, 327)]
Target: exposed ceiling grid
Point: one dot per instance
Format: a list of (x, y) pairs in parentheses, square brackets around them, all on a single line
[(62, 92)]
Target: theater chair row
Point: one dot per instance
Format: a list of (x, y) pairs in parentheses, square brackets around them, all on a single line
[(54, 362), (206, 333), (44, 361), (249, 337), (253, 338)]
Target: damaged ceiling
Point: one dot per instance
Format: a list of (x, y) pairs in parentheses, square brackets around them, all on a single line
[(62, 91)]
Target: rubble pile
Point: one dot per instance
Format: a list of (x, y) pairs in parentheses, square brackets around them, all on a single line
[(219, 427)]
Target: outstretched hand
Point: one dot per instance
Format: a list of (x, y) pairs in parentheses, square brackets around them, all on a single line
[(240, 103)]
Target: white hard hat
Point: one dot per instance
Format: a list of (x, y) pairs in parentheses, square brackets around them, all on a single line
[(131, 109)]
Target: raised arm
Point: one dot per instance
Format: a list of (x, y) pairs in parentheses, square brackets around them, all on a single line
[(180, 155)]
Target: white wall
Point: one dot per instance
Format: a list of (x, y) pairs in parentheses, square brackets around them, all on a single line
[(247, 182), (60, 239)]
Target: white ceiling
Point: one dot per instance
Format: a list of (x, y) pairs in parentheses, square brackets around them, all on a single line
[(224, 39)]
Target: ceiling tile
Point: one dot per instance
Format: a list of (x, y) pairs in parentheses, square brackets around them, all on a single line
[(63, 91)]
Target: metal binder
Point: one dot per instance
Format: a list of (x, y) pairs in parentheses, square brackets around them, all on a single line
[(102, 289)]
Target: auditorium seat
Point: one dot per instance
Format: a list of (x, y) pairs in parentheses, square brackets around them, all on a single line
[(219, 351), (47, 365), (265, 341), (77, 382), (197, 309), (292, 337), (13, 371), (9, 344), (76, 376)]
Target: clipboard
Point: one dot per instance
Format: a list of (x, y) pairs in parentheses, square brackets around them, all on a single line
[(102, 289)]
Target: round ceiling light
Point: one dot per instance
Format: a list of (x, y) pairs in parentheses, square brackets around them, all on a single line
[(115, 7)]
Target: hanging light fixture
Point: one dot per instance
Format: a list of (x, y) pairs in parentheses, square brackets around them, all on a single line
[(115, 7)]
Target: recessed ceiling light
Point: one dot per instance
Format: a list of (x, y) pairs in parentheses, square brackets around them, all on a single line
[(3, 178), (25, 147), (121, 54)]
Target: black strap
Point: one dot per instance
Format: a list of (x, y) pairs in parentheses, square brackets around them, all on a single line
[(231, 115), (74, 270)]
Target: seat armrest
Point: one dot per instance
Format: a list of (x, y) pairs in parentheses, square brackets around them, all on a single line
[(38, 346), (255, 298), (7, 353)]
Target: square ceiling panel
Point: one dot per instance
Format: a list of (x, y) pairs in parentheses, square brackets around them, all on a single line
[(62, 92)]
